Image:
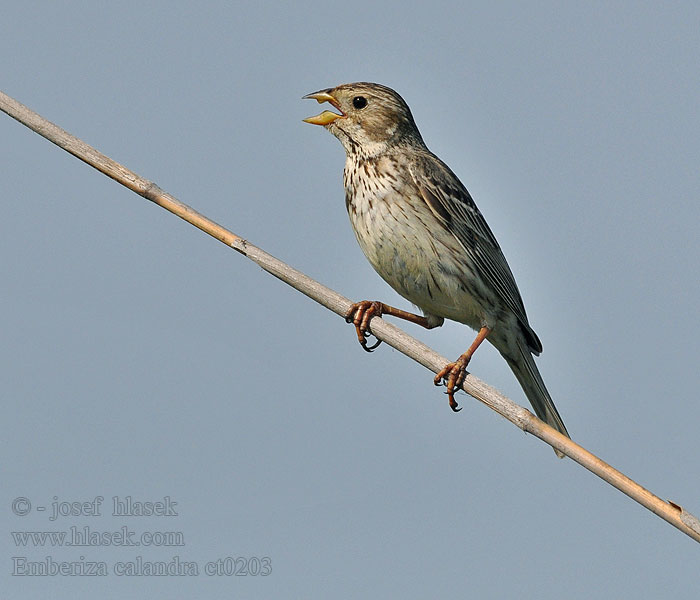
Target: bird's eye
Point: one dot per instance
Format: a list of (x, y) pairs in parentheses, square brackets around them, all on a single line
[(359, 102)]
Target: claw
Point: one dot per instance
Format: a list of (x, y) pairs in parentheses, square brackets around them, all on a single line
[(371, 348), (452, 375), (360, 315)]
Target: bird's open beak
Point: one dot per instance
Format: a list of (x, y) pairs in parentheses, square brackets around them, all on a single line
[(326, 116)]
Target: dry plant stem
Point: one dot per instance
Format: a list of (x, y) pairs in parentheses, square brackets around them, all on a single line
[(387, 332)]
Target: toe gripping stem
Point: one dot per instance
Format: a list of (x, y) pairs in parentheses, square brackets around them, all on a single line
[(359, 315)]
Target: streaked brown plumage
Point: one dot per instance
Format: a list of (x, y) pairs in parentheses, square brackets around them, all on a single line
[(421, 231)]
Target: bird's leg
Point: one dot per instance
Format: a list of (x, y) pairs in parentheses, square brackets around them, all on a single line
[(453, 373), (360, 314)]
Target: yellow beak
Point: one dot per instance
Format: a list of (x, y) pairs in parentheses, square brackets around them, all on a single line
[(323, 119), (326, 116)]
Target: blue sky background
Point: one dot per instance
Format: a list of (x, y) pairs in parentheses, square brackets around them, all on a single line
[(142, 358)]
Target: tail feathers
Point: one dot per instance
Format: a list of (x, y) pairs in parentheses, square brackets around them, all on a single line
[(528, 375)]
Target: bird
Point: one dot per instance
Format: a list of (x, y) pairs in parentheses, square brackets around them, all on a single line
[(422, 232)]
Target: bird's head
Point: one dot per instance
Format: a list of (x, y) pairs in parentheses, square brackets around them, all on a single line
[(371, 117)]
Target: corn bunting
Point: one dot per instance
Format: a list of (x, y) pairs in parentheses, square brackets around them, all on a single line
[(421, 231)]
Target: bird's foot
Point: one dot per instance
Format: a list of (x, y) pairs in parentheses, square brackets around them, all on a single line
[(359, 315), (453, 375)]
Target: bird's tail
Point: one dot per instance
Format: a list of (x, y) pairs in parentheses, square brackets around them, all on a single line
[(525, 369)]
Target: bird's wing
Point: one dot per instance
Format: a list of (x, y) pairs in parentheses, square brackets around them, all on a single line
[(452, 204)]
